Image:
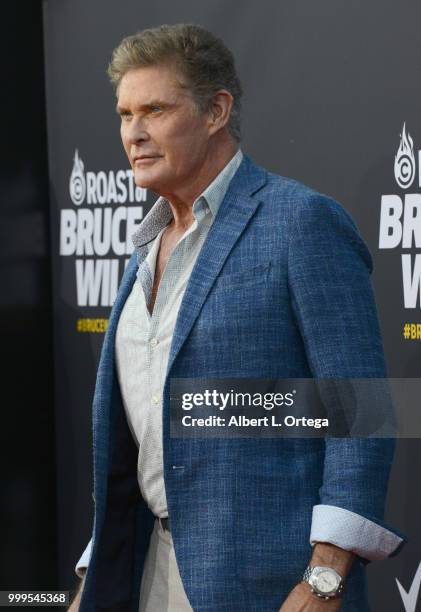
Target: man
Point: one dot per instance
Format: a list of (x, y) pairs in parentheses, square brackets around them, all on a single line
[(236, 273)]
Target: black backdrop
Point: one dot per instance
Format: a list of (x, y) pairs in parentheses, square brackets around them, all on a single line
[(27, 441), (328, 86)]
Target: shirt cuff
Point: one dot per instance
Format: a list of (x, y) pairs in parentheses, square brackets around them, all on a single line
[(83, 562), (352, 532)]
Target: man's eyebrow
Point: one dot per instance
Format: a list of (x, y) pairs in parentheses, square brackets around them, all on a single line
[(122, 111)]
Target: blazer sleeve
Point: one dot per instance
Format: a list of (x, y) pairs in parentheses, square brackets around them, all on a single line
[(329, 269)]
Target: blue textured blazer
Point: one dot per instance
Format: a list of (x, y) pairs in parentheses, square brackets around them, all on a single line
[(281, 288)]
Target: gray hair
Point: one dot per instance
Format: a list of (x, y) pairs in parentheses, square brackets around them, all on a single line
[(202, 59)]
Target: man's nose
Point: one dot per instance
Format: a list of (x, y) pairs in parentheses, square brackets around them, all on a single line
[(136, 132)]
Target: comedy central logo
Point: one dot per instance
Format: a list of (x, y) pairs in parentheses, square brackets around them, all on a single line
[(97, 229), (405, 161), (77, 183), (400, 219), (103, 186)]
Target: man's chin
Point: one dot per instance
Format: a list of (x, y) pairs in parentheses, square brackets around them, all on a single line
[(142, 179), (148, 180)]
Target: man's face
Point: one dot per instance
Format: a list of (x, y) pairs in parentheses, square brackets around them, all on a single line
[(166, 139)]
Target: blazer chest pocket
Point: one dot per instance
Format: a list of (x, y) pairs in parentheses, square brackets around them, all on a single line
[(242, 278)]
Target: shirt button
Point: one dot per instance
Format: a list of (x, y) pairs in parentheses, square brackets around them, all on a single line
[(155, 399), (153, 342)]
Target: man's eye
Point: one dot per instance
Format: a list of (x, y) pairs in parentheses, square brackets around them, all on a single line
[(125, 116), (156, 109)]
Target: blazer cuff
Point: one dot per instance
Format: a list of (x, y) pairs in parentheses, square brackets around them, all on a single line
[(83, 562), (353, 532)]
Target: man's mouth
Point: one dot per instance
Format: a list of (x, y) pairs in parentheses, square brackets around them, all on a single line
[(140, 159)]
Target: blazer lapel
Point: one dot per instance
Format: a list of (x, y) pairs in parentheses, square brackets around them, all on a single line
[(235, 212), (102, 404)]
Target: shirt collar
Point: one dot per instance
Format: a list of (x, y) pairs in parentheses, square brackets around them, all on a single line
[(161, 214)]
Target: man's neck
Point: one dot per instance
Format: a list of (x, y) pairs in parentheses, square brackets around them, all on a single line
[(182, 202)]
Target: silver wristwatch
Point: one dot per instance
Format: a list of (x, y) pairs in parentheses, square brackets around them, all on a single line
[(325, 582)]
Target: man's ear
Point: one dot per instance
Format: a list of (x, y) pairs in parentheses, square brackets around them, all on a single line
[(220, 110)]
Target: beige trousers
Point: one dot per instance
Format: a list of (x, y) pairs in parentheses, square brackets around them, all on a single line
[(161, 589)]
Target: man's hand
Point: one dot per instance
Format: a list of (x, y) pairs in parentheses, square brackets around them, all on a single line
[(301, 599), (74, 607)]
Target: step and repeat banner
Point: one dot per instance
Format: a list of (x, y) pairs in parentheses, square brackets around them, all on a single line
[(332, 98)]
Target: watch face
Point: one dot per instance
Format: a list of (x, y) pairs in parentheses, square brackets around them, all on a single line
[(326, 582)]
